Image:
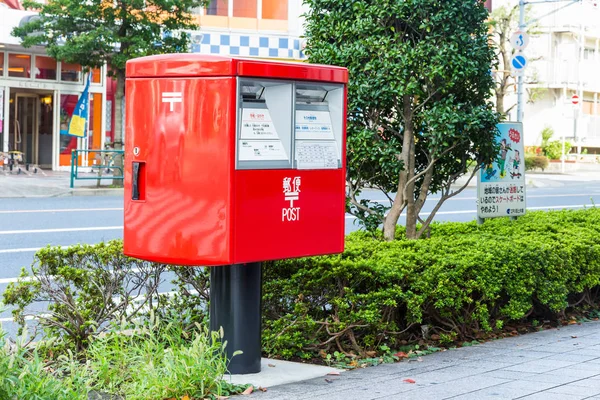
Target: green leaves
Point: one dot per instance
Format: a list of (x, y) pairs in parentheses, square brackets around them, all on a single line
[(437, 54), (464, 280), (95, 32)]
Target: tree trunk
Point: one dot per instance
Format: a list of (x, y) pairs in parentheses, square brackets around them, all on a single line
[(118, 138), (411, 210), (408, 171)]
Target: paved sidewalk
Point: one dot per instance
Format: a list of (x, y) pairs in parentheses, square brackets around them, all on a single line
[(556, 364), (53, 184)]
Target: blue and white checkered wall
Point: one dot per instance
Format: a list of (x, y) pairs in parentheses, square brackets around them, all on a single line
[(247, 45)]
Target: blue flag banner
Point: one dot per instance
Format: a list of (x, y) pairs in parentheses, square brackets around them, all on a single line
[(78, 123)]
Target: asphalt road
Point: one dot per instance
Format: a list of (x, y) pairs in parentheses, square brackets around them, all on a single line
[(27, 224)]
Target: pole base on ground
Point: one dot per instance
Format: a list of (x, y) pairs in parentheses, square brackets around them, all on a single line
[(235, 305)]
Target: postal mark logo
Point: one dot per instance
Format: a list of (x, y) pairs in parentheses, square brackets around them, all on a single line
[(291, 192)]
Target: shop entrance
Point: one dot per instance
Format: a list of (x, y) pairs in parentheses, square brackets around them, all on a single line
[(30, 127)]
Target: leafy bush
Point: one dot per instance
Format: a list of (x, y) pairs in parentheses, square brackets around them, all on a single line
[(152, 360), (554, 149), (535, 162), (87, 287), (158, 361), (462, 282)]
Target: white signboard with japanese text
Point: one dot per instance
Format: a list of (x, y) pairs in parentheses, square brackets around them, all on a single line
[(313, 125), (501, 184), (257, 124), (312, 154), (261, 150)]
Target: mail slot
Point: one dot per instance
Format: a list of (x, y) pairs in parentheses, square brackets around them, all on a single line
[(242, 160)]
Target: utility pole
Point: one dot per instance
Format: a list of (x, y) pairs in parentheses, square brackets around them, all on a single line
[(522, 26)]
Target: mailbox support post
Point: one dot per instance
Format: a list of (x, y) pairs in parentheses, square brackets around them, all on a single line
[(235, 306)]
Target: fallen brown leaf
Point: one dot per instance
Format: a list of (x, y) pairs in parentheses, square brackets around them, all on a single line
[(409, 380), (221, 397), (262, 389), (371, 354), (573, 337), (271, 365), (248, 390), (334, 373), (401, 354), (328, 380)]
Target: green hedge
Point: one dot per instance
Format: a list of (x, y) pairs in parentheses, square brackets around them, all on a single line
[(535, 162), (465, 280)]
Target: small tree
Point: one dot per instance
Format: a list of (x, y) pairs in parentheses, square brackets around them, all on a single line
[(98, 32), (419, 113)]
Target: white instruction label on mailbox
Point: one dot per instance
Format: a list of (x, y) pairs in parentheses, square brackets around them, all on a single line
[(316, 154), (261, 150), (313, 125), (257, 124)]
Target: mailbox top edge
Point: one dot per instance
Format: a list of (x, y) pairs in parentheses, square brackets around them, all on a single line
[(198, 65)]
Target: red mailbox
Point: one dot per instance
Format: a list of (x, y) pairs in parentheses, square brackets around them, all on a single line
[(232, 160)]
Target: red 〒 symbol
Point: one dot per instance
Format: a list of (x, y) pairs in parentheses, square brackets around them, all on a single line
[(514, 135)]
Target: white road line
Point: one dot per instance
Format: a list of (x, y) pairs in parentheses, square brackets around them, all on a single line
[(24, 250), (475, 211), (58, 210), (93, 228)]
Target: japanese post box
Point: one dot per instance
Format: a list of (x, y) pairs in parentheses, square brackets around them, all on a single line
[(231, 160)]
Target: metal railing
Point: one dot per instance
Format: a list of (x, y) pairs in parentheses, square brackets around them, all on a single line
[(106, 161)]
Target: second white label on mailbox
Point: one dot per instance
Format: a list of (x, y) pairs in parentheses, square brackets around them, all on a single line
[(261, 150)]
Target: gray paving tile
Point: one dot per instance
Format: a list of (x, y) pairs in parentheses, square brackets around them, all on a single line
[(593, 383), (573, 372), (535, 386), (495, 393), (449, 389), (539, 366), (587, 351), (551, 396), (572, 389), (579, 357), (549, 378), (504, 374)]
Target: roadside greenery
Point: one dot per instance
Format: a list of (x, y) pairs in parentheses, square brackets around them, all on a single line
[(465, 282), (377, 302), (157, 360), (418, 98)]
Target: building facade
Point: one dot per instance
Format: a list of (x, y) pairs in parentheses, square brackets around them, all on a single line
[(257, 28), (37, 98), (564, 60)]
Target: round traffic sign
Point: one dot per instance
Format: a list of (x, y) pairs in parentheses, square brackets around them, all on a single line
[(575, 99), (519, 40), (518, 63)]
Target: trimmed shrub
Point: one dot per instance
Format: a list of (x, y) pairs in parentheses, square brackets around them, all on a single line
[(536, 162), (464, 281), (554, 149)]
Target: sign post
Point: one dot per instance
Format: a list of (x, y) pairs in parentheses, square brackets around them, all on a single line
[(501, 184)]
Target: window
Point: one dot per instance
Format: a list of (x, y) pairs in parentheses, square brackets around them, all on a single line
[(245, 8), (275, 9), (70, 72), (45, 68), (96, 75), (19, 65), (1, 64), (589, 54), (218, 7)]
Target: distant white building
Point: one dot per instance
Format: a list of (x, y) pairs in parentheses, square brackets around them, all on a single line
[(564, 60)]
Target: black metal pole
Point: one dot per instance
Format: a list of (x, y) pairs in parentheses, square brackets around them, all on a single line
[(235, 305)]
